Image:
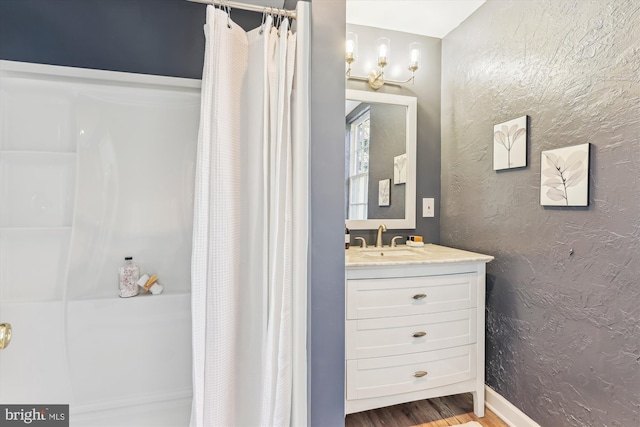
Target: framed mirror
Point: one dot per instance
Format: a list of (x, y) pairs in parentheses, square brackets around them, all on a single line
[(380, 167)]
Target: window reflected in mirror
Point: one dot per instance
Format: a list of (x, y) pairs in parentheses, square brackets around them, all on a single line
[(359, 128)]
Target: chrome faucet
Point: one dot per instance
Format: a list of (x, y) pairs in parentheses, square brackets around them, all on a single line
[(379, 236)]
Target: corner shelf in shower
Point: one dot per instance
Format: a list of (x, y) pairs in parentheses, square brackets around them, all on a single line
[(42, 228), (39, 152), (146, 296)]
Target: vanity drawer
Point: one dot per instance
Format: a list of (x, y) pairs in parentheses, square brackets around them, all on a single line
[(367, 338), (384, 376), (405, 296)]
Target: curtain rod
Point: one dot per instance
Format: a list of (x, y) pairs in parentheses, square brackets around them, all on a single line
[(251, 7)]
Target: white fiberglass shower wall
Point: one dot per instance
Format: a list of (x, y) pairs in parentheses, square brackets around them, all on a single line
[(96, 166)]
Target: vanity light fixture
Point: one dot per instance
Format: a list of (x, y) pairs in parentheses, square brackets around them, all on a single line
[(376, 77)]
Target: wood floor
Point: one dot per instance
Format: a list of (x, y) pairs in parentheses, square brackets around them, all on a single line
[(438, 412)]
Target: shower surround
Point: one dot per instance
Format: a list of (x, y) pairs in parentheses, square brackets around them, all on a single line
[(96, 166)]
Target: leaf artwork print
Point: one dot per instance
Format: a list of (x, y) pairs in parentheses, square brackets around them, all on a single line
[(400, 169), (509, 144), (564, 176), (383, 192)]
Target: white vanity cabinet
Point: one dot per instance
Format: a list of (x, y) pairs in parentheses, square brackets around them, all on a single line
[(414, 327)]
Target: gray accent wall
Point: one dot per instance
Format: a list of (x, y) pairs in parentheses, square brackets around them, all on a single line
[(326, 238), (162, 37), (159, 37), (388, 139), (563, 293), (426, 89)]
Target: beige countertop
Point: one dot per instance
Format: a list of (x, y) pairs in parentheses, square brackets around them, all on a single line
[(404, 255)]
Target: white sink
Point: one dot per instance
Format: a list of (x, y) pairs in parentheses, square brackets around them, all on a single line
[(389, 253)]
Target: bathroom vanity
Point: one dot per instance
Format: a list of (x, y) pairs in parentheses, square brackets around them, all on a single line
[(414, 325)]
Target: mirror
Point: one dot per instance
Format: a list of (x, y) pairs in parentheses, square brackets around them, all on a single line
[(380, 167)]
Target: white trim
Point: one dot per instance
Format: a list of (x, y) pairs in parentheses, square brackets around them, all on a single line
[(168, 412), (505, 410), (137, 400), (56, 72)]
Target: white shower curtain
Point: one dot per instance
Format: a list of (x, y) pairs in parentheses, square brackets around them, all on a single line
[(249, 261)]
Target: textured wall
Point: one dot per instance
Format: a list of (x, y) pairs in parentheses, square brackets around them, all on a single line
[(563, 330), (426, 89)]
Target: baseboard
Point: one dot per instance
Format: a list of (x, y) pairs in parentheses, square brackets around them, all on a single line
[(505, 410)]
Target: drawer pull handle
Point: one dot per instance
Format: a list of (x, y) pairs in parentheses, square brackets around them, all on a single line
[(419, 296), (419, 374), (419, 334)]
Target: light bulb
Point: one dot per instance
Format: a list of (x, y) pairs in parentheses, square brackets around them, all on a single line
[(351, 48), (414, 56), (384, 48)]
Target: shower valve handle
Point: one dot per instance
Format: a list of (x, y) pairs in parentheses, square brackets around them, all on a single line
[(5, 335)]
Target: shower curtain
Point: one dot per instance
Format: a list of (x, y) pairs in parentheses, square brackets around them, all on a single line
[(249, 258)]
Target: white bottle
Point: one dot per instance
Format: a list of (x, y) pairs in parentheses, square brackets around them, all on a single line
[(129, 275)]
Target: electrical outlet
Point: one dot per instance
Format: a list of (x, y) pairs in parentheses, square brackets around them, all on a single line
[(428, 207)]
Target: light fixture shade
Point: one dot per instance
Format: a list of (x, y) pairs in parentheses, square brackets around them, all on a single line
[(376, 77), (351, 48), (415, 53), (383, 46)]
